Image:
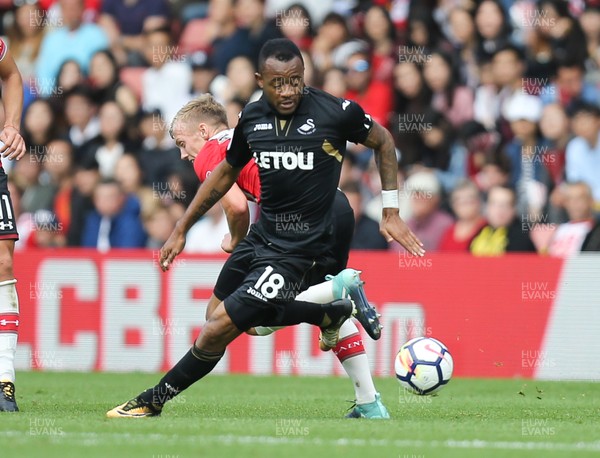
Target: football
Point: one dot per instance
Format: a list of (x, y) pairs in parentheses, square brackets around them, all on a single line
[(423, 365)]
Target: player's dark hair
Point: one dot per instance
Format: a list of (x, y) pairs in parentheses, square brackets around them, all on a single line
[(282, 49)]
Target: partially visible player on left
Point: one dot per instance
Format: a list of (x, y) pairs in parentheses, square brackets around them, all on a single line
[(12, 146)]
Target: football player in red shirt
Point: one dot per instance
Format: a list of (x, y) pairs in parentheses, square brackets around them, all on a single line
[(12, 146)]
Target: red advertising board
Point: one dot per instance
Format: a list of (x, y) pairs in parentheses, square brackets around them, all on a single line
[(82, 310)]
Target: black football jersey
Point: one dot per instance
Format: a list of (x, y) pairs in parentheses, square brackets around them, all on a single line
[(299, 159)]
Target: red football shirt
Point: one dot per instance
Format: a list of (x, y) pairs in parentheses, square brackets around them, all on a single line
[(213, 152)]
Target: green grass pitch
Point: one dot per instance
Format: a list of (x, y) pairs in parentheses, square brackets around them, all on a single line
[(62, 415)]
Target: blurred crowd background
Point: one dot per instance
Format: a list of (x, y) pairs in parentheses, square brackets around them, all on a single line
[(493, 105)]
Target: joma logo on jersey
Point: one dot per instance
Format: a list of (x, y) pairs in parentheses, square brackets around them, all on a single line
[(284, 160), (263, 126)]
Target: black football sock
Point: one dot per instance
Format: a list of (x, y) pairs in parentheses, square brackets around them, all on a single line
[(308, 312), (194, 365), (296, 312)]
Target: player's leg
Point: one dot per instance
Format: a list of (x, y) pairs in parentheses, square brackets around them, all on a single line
[(350, 350), (9, 301), (242, 310), (199, 361)]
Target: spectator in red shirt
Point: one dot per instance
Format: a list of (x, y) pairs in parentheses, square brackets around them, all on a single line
[(374, 96), (381, 35), (466, 204)]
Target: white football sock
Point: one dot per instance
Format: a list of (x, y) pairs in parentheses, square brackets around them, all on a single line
[(351, 353), (318, 294), (9, 329)]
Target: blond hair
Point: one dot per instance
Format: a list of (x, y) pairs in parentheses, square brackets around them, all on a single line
[(204, 108)]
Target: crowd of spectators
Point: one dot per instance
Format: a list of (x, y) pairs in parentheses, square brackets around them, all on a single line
[(494, 106)]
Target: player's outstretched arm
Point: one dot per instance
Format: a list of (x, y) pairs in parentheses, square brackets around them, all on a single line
[(210, 192), (235, 205), (12, 95), (392, 226)]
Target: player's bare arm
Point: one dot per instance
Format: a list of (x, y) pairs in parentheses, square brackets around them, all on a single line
[(12, 94), (235, 206), (392, 226), (210, 192)]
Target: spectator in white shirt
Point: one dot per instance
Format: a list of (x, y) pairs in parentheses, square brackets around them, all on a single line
[(568, 237)]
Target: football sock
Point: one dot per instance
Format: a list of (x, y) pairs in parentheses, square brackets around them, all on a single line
[(321, 293), (351, 353), (194, 365), (9, 329), (296, 312)]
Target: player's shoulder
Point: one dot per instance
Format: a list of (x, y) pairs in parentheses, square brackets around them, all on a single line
[(212, 153), (331, 105), (254, 110), (324, 99)]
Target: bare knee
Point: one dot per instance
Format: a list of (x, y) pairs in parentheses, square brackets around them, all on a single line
[(218, 331), (213, 303)]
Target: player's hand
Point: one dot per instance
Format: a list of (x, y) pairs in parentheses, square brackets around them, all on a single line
[(172, 247), (393, 228), (227, 244), (14, 145)]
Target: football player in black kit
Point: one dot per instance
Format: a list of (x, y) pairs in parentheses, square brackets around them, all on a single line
[(297, 135)]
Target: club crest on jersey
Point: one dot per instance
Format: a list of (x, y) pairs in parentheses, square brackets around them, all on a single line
[(284, 160), (307, 128), (263, 126)]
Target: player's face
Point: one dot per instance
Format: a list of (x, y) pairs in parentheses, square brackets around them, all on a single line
[(282, 84), (189, 140)]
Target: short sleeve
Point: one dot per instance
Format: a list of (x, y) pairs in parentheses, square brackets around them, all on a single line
[(356, 123), (238, 152), (3, 49)]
